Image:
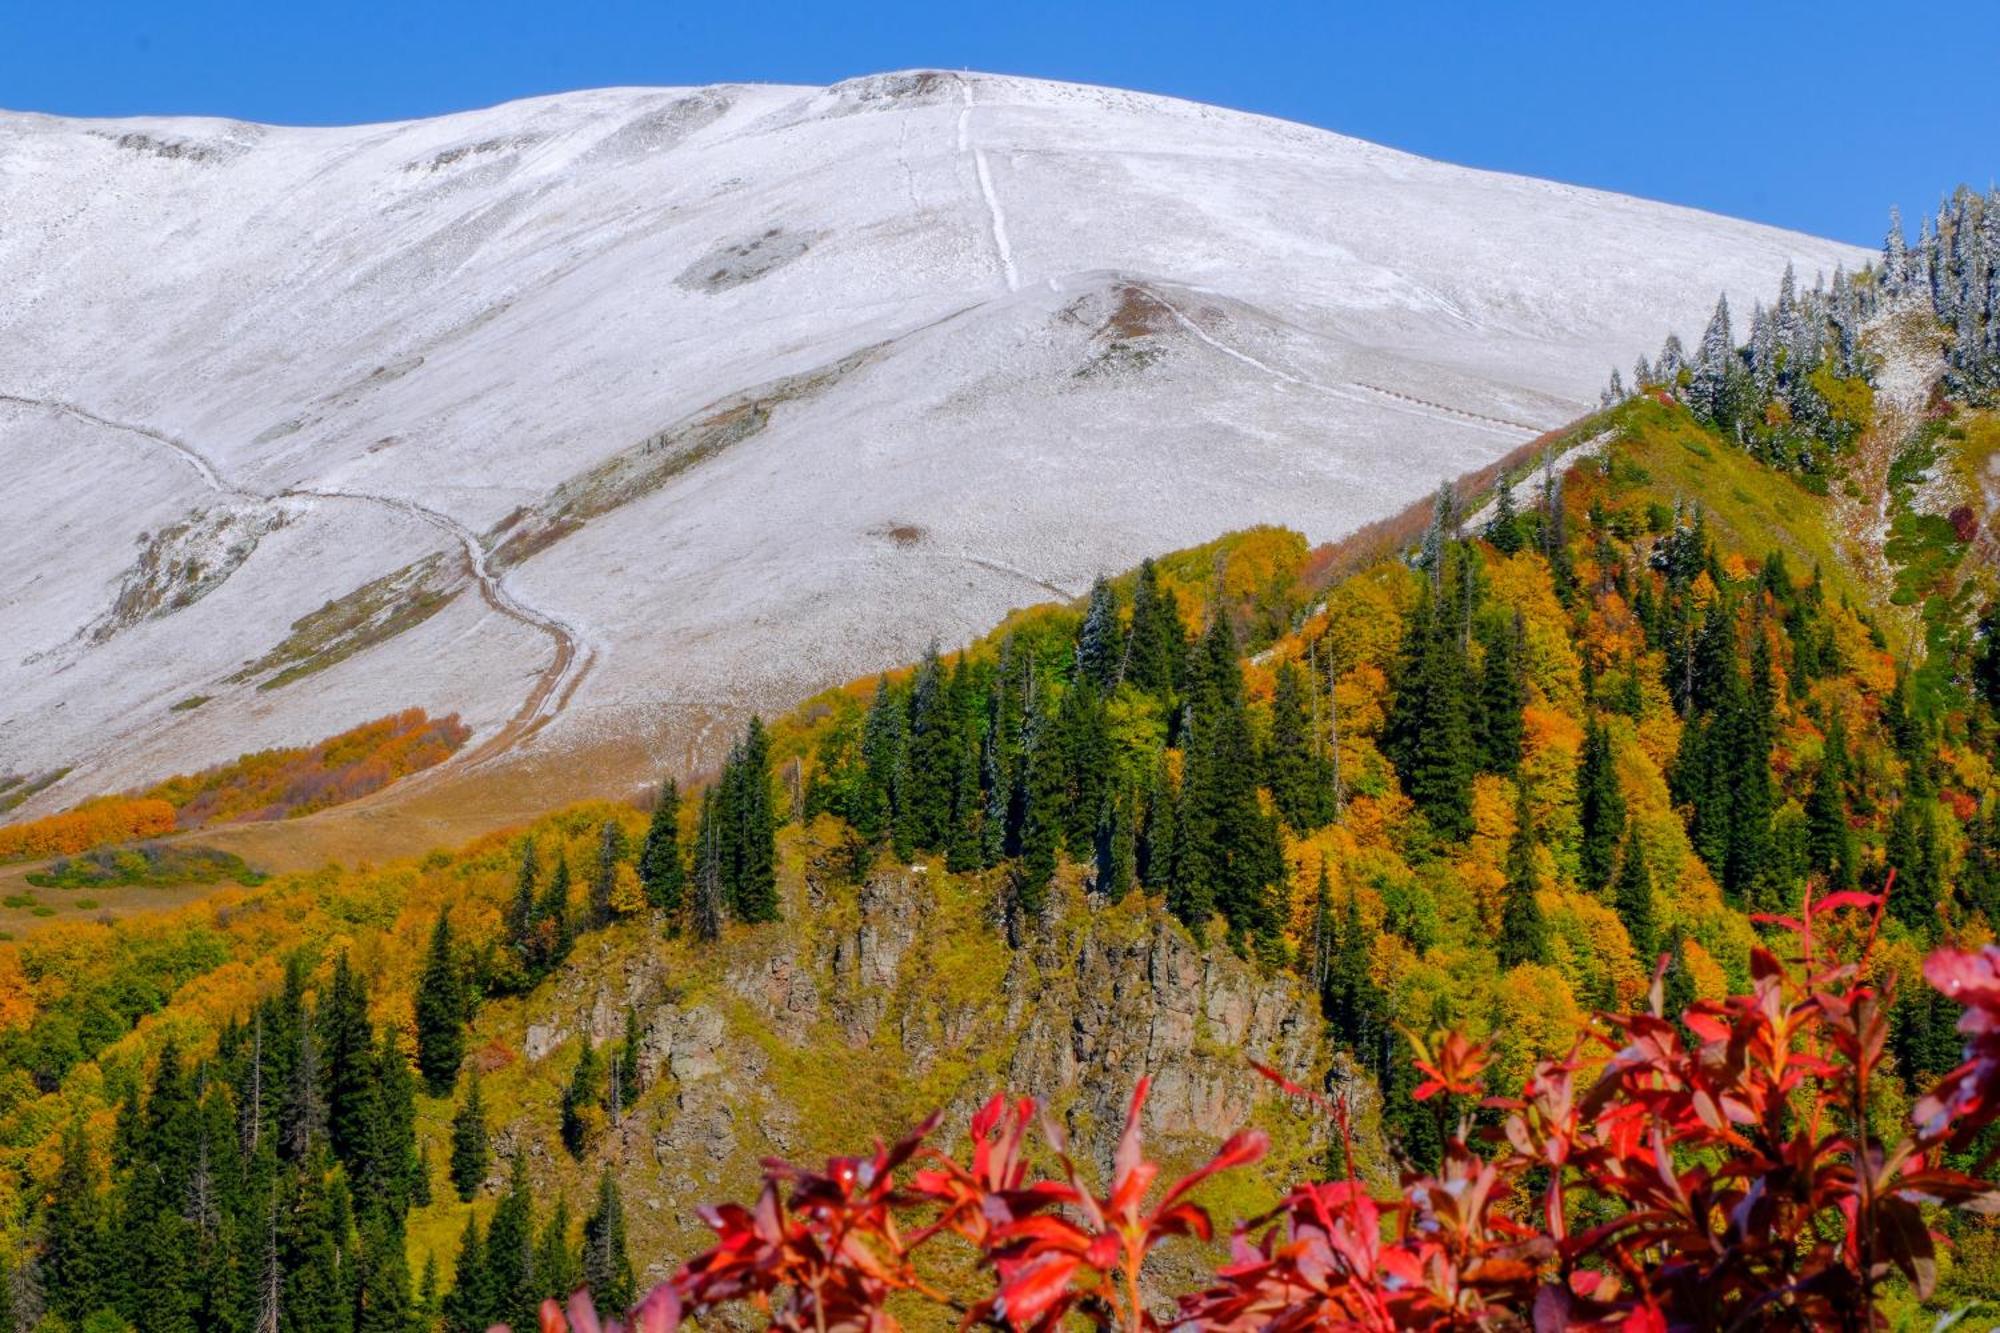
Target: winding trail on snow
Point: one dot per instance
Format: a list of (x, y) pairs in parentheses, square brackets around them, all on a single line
[(1345, 392), (553, 686), (996, 217)]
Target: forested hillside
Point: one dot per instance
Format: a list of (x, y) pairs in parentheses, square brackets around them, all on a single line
[(1728, 642)]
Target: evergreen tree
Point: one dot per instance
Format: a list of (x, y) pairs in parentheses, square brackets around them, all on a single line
[(1601, 807), (1228, 858), (1045, 788), (510, 1250), (1708, 387), (382, 1279), (660, 867), (1100, 642), (1524, 935), (553, 931), (470, 1143), (708, 874), (1503, 529), (441, 1009), (1830, 850), (965, 845), (607, 1268), (557, 1271), (347, 1047), (1295, 771), (604, 878), (1157, 644), (1355, 1007), (1430, 725), (1911, 851), (314, 1247), (1634, 898), (882, 742), (1503, 693), (521, 910), (471, 1306), (924, 820), (303, 1117), (755, 878), (429, 1309), (581, 1101), (386, 1158), (74, 1244), (1084, 740)]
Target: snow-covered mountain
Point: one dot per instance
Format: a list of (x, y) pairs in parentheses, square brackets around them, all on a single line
[(608, 414)]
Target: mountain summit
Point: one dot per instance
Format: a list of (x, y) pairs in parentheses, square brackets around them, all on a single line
[(618, 413)]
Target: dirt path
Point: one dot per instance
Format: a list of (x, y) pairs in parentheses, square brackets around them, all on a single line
[(1346, 392), (996, 217), (553, 687)]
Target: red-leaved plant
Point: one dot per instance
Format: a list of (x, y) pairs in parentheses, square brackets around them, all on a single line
[(1715, 1172)]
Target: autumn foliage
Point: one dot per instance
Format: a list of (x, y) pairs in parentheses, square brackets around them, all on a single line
[(1723, 1169), (270, 784), (92, 824)]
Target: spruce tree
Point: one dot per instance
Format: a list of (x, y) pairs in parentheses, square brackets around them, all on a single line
[(708, 874), (1601, 808), (382, 1280), (1524, 935), (1100, 642), (471, 1151), (74, 1244), (582, 1097), (965, 844), (1157, 643), (1295, 772), (1084, 739), (510, 1250), (1228, 858), (661, 869), (471, 1306), (1634, 898), (521, 910), (1503, 693), (882, 742), (931, 757), (604, 876), (1430, 723), (1045, 788), (755, 880), (347, 1048), (1503, 529), (1830, 851), (441, 1009), (557, 1272), (607, 1267), (552, 933)]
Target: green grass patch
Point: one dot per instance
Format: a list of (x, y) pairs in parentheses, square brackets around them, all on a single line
[(16, 789), (189, 704), (149, 865), (1661, 456)]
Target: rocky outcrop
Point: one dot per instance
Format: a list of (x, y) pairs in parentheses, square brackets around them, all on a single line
[(874, 1003)]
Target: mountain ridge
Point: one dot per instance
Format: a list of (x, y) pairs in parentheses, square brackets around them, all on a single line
[(473, 313)]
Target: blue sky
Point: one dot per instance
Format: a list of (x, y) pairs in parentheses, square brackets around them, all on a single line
[(1816, 116)]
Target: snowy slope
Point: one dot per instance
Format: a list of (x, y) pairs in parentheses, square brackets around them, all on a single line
[(579, 411)]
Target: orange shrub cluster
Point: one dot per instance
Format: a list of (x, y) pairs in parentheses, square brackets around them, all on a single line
[(285, 783), (92, 824), (270, 784)]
